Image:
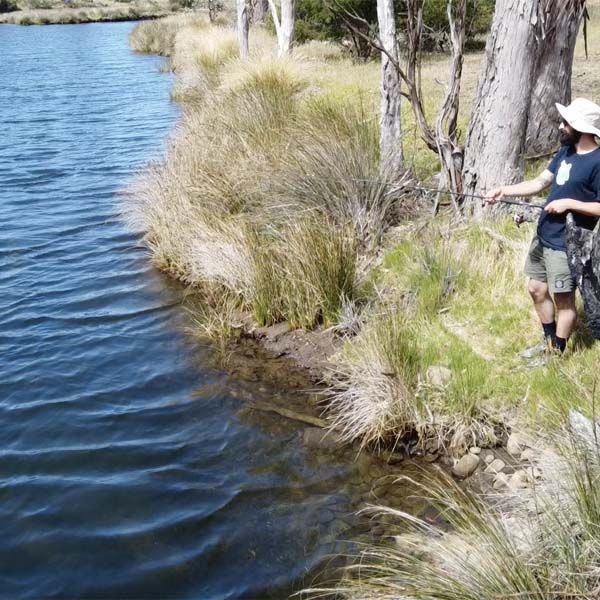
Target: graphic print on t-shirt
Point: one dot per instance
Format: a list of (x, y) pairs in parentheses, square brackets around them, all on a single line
[(563, 173)]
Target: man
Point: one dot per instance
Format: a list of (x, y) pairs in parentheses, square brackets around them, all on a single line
[(574, 177)]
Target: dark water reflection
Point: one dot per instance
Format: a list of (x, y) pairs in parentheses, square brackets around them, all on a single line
[(129, 465)]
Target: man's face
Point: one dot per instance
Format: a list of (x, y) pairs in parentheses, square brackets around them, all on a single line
[(568, 136)]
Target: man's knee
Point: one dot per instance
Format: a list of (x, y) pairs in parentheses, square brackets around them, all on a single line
[(538, 290)]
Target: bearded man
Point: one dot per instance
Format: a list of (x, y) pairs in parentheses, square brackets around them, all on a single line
[(574, 180)]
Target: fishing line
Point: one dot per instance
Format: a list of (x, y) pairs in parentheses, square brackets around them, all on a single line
[(422, 188)]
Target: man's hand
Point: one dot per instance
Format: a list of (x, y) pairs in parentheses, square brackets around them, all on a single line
[(494, 196), (558, 207)]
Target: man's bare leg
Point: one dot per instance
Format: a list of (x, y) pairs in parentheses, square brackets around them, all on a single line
[(544, 307), (566, 317)]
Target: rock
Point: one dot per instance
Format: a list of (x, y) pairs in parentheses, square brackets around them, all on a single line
[(495, 466), (519, 480), (488, 458), (320, 438), (475, 450), (326, 516), (528, 454), (585, 429), (466, 466), (515, 444), (500, 481), (439, 376)]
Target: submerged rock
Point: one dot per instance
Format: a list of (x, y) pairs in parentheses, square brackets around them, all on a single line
[(500, 481), (320, 438), (495, 466)]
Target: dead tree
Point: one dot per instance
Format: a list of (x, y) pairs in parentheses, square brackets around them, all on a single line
[(214, 7), (390, 140), (260, 8), (561, 22), (284, 21), (495, 141), (442, 136), (243, 26)]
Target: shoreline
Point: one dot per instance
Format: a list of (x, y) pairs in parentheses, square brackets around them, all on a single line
[(134, 11)]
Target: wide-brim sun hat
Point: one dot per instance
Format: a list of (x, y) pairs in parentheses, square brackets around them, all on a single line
[(582, 115)]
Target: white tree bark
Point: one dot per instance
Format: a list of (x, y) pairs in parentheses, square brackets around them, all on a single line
[(390, 124), (496, 137), (259, 10), (243, 25), (562, 19), (284, 22)]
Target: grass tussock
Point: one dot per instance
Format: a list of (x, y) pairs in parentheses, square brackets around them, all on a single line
[(541, 543), (158, 36), (236, 205)]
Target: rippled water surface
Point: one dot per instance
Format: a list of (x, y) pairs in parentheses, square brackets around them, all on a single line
[(130, 465)]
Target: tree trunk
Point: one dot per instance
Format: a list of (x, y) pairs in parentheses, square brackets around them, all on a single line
[(390, 141), (259, 10), (496, 136), (553, 76), (284, 25), (213, 10), (288, 19), (243, 25)]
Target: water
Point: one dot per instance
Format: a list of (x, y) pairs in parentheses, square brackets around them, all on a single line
[(129, 464)]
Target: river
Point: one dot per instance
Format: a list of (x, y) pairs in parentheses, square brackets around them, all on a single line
[(130, 466)]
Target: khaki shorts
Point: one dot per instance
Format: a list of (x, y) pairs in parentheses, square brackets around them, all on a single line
[(549, 266)]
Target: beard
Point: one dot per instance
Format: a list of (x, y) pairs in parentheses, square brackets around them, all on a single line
[(569, 138)]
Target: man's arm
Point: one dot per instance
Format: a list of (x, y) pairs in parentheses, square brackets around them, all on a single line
[(525, 188), (558, 207)]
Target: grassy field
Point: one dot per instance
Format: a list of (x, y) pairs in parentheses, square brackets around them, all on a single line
[(270, 203)]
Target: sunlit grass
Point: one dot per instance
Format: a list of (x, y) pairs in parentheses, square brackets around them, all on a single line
[(542, 544)]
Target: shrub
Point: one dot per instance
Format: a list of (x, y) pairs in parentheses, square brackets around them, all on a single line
[(316, 20), (8, 6)]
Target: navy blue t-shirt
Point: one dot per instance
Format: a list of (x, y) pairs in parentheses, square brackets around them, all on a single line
[(576, 176)]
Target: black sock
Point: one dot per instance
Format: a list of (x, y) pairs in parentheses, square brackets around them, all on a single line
[(560, 343), (550, 331)]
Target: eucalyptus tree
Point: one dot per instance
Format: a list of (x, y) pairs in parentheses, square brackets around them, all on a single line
[(260, 8), (530, 42), (284, 19), (390, 123), (243, 25), (562, 22)]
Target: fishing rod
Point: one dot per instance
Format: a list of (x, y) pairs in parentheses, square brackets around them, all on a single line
[(422, 188), (476, 196)]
